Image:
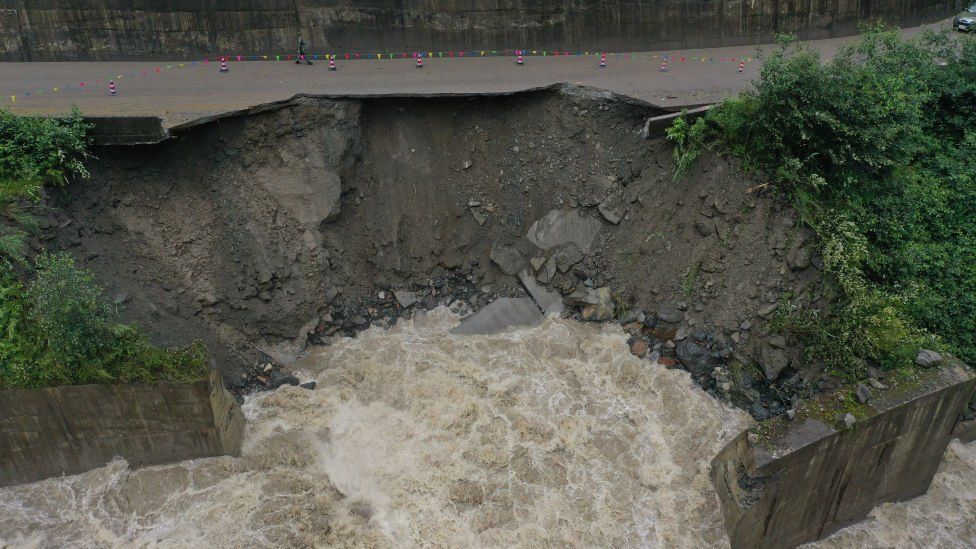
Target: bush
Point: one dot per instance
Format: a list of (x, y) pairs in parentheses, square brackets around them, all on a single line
[(34, 151), (59, 331), (66, 305), (44, 149), (877, 150)]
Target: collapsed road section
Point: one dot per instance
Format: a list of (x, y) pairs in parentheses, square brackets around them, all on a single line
[(269, 229)]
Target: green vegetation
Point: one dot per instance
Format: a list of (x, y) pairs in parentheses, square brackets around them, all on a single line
[(34, 151), (876, 149), (56, 327)]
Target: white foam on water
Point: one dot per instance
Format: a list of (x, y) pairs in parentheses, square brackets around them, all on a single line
[(550, 436)]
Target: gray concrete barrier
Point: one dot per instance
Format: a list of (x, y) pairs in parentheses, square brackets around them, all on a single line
[(126, 130), (656, 126), (67, 430), (810, 477)]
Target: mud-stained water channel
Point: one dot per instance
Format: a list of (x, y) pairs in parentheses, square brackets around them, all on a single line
[(549, 437)]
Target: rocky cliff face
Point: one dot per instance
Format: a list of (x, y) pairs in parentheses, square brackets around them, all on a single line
[(167, 29)]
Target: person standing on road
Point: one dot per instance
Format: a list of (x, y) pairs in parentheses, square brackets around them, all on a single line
[(302, 54)]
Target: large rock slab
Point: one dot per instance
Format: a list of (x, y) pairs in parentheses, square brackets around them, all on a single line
[(550, 301), (804, 479), (562, 226), (500, 315)]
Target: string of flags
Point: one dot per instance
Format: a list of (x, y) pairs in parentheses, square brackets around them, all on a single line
[(331, 57)]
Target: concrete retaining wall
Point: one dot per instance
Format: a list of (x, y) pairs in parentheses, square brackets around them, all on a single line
[(126, 130), (68, 430), (813, 479), (44, 30), (657, 126)]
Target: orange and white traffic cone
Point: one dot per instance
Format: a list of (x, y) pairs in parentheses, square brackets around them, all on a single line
[(111, 88), (420, 61), (742, 67), (664, 65), (223, 65), (518, 59), (603, 60), (332, 65)]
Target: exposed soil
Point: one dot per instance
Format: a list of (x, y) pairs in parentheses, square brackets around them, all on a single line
[(263, 232)]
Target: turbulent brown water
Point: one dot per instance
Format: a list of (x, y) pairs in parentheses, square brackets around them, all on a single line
[(552, 436)]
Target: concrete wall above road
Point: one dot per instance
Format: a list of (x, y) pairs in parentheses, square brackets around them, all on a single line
[(67, 30)]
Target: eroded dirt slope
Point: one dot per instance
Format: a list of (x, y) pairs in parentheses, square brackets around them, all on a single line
[(301, 221)]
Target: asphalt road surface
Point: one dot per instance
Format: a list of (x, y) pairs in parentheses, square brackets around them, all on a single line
[(183, 91)]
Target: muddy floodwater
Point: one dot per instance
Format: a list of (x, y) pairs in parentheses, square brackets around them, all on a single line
[(547, 437)]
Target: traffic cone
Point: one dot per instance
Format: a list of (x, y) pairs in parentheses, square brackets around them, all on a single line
[(518, 59), (111, 88), (664, 65), (603, 60), (742, 67), (223, 65), (332, 65), (420, 61)]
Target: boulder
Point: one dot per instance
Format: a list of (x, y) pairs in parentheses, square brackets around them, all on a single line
[(279, 380), (798, 259), (862, 393), (928, 359), (773, 361), (508, 259), (566, 255), (613, 208), (602, 308), (562, 226), (595, 189), (479, 217), (767, 310), (639, 348), (405, 298), (670, 314), (695, 357), (704, 228)]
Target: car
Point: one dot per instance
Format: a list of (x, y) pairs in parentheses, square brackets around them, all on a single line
[(965, 21)]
